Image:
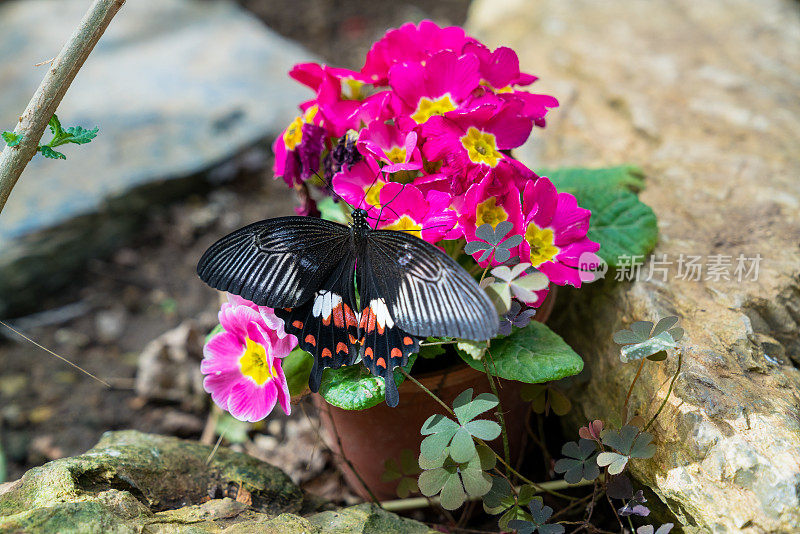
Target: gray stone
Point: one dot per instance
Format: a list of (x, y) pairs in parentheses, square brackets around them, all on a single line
[(176, 87), (135, 482), (703, 96)]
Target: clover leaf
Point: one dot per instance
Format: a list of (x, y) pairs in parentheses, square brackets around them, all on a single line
[(515, 281), (648, 529), (454, 481), (406, 472), (457, 437), (635, 506), (629, 443), (580, 462), (592, 430), (491, 239), (500, 500), (643, 340), (540, 514), (516, 316), (544, 397)]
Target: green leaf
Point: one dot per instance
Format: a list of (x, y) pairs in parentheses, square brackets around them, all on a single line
[(573, 180), (453, 494), (637, 351), (354, 388), (462, 448), (50, 153), (665, 324), (432, 463), (331, 210), (297, 368), (235, 431), (614, 461), (476, 482), (475, 349), (623, 225), (499, 491), (390, 471), (406, 487), (81, 136), (11, 138), (533, 354), (432, 481), (580, 462), (55, 127), (483, 429), (467, 409)]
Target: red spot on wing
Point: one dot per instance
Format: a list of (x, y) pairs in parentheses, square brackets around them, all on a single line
[(341, 347), (396, 353), (298, 324), (408, 341), (381, 363), (326, 320), (287, 309), (368, 320), (310, 340), (349, 316), (338, 315), (368, 353), (354, 340), (326, 353)]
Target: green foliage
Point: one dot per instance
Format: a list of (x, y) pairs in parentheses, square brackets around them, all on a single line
[(235, 431), (501, 500), (575, 179), (580, 462), (643, 340), (354, 388), (61, 136), (493, 239), (622, 224), (533, 354), (544, 397), (506, 282), (11, 138), (455, 481), (445, 436), (629, 442), (475, 349), (539, 516), (334, 211), (297, 368), (406, 472)]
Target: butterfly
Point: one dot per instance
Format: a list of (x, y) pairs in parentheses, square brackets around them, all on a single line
[(309, 269)]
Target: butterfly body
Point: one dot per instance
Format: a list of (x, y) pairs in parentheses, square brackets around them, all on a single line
[(308, 270)]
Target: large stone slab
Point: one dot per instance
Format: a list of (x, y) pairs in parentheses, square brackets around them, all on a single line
[(703, 96), (132, 482), (176, 87)]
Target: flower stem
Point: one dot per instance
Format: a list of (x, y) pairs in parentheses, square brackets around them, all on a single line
[(669, 391), (499, 413), (630, 390)]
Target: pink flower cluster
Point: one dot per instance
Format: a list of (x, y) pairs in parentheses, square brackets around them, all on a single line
[(420, 138), (242, 363)]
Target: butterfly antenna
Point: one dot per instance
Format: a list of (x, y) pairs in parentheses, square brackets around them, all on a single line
[(366, 193), (329, 187)]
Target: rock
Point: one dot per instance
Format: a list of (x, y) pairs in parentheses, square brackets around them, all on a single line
[(176, 87), (132, 482), (703, 96)]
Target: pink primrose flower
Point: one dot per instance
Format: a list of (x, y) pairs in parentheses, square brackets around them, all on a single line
[(243, 367), (388, 144), (410, 44), (405, 208), (554, 233)]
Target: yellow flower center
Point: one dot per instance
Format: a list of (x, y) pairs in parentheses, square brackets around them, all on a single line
[(374, 194), (406, 223), (481, 147), (310, 113), (253, 363), (428, 108), (351, 89), (489, 212), (293, 134), (396, 154), (541, 242)]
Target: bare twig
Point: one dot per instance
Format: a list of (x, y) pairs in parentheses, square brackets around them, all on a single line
[(48, 96)]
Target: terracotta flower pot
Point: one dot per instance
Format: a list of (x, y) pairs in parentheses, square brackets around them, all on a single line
[(370, 437)]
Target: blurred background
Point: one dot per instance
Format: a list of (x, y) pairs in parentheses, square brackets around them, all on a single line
[(97, 253)]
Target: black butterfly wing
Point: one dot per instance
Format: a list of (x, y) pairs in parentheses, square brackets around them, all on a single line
[(426, 291), (326, 325), (279, 262), (384, 345)]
